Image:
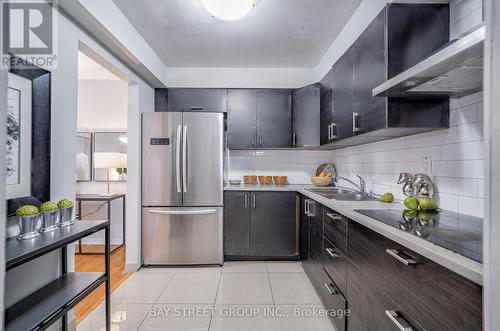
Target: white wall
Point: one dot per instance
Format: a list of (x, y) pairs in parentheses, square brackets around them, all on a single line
[(240, 77), (464, 15), (492, 182), (298, 165), (64, 126), (102, 104), (3, 212), (359, 21)]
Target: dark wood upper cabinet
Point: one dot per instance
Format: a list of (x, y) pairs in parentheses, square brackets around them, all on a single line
[(306, 117), (399, 37), (197, 99), (274, 118), (242, 119), (259, 118)]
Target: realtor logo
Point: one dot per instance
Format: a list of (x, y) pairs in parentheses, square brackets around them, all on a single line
[(29, 30)]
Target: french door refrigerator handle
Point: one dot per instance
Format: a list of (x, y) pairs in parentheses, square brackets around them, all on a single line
[(178, 158), (183, 212), (184, 159)]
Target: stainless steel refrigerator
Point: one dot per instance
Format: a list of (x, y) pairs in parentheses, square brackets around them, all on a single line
[(182, 188)]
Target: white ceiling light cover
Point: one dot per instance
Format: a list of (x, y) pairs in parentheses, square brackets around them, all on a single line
[(228, 10)]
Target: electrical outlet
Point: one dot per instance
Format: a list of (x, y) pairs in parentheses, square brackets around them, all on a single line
[(427, 165)]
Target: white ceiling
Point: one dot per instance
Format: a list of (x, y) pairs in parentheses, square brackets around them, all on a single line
[(276, 33), (89, 69)]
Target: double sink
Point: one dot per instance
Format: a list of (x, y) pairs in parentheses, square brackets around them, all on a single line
[(342, 194)]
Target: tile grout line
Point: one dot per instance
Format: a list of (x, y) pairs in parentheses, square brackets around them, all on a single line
[(270, 286), (215, 299)]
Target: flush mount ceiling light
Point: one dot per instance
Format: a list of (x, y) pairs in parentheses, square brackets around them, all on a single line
[(228, 10)]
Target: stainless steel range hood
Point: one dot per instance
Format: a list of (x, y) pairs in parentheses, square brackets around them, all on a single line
[(455, 70)]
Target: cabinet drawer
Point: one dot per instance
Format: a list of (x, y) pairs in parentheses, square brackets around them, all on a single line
[(335, 264), (440, 299), (367, 251), (437, 298), (336, 230), (370, 306), (333, 300)]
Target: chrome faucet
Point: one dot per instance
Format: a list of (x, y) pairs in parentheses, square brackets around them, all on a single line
[(423, 186), (361, 186)]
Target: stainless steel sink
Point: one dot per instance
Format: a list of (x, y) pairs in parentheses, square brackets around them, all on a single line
[(329, 190), (341, 194)]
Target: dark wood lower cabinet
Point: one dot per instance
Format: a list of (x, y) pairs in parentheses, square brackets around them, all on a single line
[(259, 225), (272, 226), (380, 292), (370, 306)]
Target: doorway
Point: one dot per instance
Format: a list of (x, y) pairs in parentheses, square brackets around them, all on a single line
[(101, 169)]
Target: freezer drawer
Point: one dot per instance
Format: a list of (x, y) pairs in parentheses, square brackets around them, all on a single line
[(175, 236)]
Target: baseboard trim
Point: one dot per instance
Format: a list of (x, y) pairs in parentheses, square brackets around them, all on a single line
[(131, 267)]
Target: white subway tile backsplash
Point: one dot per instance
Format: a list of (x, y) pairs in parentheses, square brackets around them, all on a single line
[(461, 169), (471, 206), (418, 154), (467, 114), (456, 186), (471, 132), (447, 201), (434, 138), (464, 151), (466, 101), (480, 188)]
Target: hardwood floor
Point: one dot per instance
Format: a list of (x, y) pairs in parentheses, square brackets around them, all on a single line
[(94, 263)]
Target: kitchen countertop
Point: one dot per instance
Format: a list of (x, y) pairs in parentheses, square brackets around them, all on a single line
[(460, 264)]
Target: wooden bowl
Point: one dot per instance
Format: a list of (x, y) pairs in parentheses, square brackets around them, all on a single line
[(280, 180), (265, 180), (250, 180), (321, 181)]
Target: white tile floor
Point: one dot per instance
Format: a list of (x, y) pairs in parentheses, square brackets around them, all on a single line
[(240, 296)]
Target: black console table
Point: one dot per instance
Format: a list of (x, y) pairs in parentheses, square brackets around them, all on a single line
[(80, 198), (45, 306)]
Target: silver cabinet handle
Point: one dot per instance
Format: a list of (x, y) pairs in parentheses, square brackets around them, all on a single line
[(294, 139), (178, 158), (254, 201), (254, 138), (330, 290), (184, 160), (329, 131), (355, 122), (331, 253), (195, 108), (397, 255), (246, 200), (306, 207), (399, 320), (334, 131), (183, 212), (334, 217), (260, 138)]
